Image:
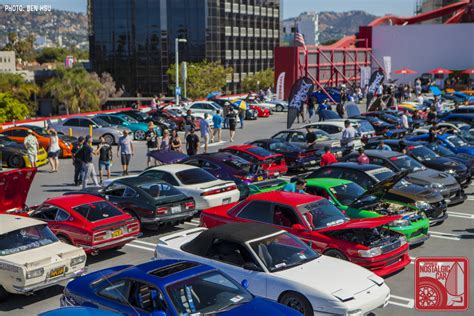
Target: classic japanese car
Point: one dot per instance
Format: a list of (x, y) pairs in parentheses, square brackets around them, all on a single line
[(314, 219), (167, 288), (32, 258), (280, 267), (87, 221), (124, 121)]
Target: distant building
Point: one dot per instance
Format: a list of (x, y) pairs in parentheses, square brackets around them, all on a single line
[(423, 6), (7, 62), (308, 24)]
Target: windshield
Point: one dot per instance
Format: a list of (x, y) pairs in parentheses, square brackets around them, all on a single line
[(347, 193), (283, 251), (407, 163), (456, 141), (380, 176), (258, 151), (159, 190), (129, 119), (39, 130), (97, 211), (25, 239), (100, 122), (208, 293), (322, 214), (282, 147), (422, 153), (238, 164), (440, 150), (365, 127), (195, 176)]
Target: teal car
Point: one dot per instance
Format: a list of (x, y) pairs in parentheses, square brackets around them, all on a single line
[(121, 120), (357, 202)]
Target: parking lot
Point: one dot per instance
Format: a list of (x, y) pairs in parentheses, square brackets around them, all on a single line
[(455, 237)]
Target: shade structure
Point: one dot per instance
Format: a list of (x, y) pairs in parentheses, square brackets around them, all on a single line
[(241, 104), (440, 71), (469, 71), (405, 71)]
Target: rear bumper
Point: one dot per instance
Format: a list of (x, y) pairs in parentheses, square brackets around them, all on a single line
[(47, 283), (168, 218), (109, 244)]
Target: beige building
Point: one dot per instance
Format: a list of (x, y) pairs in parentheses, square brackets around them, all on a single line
[(7, 61)]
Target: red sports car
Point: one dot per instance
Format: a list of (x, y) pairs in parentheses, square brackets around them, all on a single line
[(273, 164), (88, 221), (318, 222), (262, 112)]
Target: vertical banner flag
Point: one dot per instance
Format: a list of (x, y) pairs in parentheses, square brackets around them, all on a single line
[(364, 76), (375, 81), (280, 86), (299, 94), (387, 63)]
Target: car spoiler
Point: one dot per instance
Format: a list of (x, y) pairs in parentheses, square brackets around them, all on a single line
[(193, 231)]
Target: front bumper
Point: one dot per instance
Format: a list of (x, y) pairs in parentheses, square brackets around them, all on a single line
[(387, 266), (49, 282), (464, 179), (453, 197), (416, 232)]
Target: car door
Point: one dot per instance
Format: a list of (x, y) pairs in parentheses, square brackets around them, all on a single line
[(74, 124), (197, 108), (113, 296)]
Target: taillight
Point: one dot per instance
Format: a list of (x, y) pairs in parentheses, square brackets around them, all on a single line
[(220, 190), (161, 211), (133, 227), (99, 236), (189, 205)]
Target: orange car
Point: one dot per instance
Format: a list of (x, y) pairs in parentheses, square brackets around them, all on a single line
[(18, 134)]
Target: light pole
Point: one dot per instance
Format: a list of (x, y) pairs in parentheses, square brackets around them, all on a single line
[(177, 41)]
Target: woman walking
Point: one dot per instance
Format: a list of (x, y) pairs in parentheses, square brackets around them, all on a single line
[(175, 141), (165, 141), (232, 119), (54, 150)]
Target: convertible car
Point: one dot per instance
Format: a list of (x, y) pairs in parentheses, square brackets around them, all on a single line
[(280, 267)]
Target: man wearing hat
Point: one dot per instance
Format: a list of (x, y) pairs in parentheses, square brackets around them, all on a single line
[(152, 140), (76, 161), (31, 144)]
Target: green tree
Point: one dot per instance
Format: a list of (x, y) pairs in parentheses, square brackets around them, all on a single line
[(16, 85), (58, 54), (75, 88), (261, 79), (203, 78), (23, 48), (11, 108)]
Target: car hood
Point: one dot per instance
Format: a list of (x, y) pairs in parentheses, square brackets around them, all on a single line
[(430, 176), (351, 278), (361, 223), (417, 192), (14, 188), (258, 306), (381, 188), (443, 164), (167, 156)]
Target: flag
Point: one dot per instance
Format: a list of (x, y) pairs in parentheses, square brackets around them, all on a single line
[(280, 86), (299, 38), (300, 93)]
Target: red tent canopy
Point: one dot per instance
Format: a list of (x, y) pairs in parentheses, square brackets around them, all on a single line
[(468, 71), (441, 71), (405, 71)]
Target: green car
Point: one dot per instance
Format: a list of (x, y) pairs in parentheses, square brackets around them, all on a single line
[(357, 202), (266, 186)]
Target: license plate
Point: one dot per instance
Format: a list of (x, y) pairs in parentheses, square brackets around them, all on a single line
[(117, 233), (56, 272), (175, 209), (312, 162), (226, 201), (260, 178), (276, 174)]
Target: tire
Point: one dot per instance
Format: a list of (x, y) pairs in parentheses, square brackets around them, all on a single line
[(109, 139), (335, 254), (3, 294), (431, 293), (139, 135), (297, 302), (64, 240), (279, 108), (132, 214), (15, 161)]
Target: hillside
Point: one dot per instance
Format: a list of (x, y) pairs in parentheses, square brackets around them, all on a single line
[(334, 25)]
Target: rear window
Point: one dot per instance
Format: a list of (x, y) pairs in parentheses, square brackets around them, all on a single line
[(195, 176), (258, 151), (238, 164), (159, 190), (383, 175), (97, 211), (365, 127)]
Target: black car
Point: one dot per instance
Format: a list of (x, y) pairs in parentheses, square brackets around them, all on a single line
[(296, 157), (154, 203), (430, 159), (368, 175), (13, 155), (443, 151)]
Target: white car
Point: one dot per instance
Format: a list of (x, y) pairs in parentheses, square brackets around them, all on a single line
[(32, 258), (280, 267), (202, 107)]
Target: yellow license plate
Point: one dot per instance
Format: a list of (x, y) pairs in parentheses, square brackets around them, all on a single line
[(56, 272), (117, 233), (260, 178)]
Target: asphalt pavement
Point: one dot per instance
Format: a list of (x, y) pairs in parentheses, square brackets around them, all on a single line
[(455, 237)]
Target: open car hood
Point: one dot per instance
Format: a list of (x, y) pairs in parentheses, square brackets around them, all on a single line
[(352, 110), (380, 189), (167, 157), (14, 188), (361, 223), (328, 115)]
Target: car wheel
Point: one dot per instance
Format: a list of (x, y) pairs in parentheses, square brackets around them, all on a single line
[(279, 108), (139, 135), (64, 239), (297, 302), (16, 161), (335, 254), (3, 294), (109, 139)]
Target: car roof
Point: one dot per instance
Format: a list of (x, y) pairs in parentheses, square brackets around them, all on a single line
[(14, 222), (356, 166), (289, 198), (327, 183), (241, 147), (138, 180), (382, 153), (73, 200), (177, 167)]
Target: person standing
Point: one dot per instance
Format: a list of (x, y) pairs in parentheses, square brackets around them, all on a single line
[(433, 133), (152, 141), (383, 146), (348, 136), (418, 86), (232, 119), (217, 121), (321, 108), (165, 144), (85, 155), (225, 112), (310, 137), (241, 112), (311, 108), (431, 116), (104, 150), (340, 109), (205, 132), (154, 104), (77, 162), (125, 151), (188, 123), (298, 186), (438, 105), (362, 159), (405, 123), (328, 157), (176, 141), (53, 150), (192, 143), (31, 144)]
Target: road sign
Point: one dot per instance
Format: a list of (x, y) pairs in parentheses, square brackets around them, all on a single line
[(178, 90)]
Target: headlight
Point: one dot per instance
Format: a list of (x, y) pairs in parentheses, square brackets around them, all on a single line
[(437, 186), (422, 214), (399, 222), (403, 240), (355, 312), (78, 260), (451, 171), (422, 205), (34, 273), (370, 253)]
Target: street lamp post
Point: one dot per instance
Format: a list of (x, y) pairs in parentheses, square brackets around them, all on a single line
[(177, 41)]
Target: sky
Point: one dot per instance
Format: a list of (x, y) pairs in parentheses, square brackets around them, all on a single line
[(290, 7)]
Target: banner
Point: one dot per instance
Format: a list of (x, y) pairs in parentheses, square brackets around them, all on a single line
[(299, 94), (364, 76), (280, 86), (375, 81), (387, 63)]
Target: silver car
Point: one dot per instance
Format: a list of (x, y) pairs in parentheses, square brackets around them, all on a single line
[(80, 126)]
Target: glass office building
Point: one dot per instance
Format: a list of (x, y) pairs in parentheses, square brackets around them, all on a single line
[(134, 40)]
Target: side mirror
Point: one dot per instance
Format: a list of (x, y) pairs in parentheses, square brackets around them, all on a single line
[(157, 313), (245, 283), (298, 227), (251, 266)]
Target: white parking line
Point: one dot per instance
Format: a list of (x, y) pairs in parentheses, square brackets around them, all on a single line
[(461, 215), (144, 243), (405, 301), (214, 144), (470, 198), (445, 235)]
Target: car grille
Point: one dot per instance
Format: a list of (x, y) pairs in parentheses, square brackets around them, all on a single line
[(417, 233), (391, 247)]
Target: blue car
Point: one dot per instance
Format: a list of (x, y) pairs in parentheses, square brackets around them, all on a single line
[(167, 288), (333, 92), (451, 141), (78, 311)]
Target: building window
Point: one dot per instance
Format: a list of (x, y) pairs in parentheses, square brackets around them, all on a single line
[(264, 33), (235, 31), (270, 54), (270, 33), (257, 54), (250, 54), (227, 7), (236, 54), (250, 32), (228, 54), (250, 9), (243, 54), (263, 11), (228, 31), (257, 32), (243, 31), (243, 9), (264, 54), (235, 8), (228, 78), (276, 13), (257, 10), (236, 77)]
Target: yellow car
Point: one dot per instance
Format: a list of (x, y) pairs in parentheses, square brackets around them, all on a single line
[(13, 155)]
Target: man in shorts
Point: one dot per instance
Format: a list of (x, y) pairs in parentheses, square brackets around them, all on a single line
[(205, 131), (31, 144), (125, 151), (104, 150), (152, 141)]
